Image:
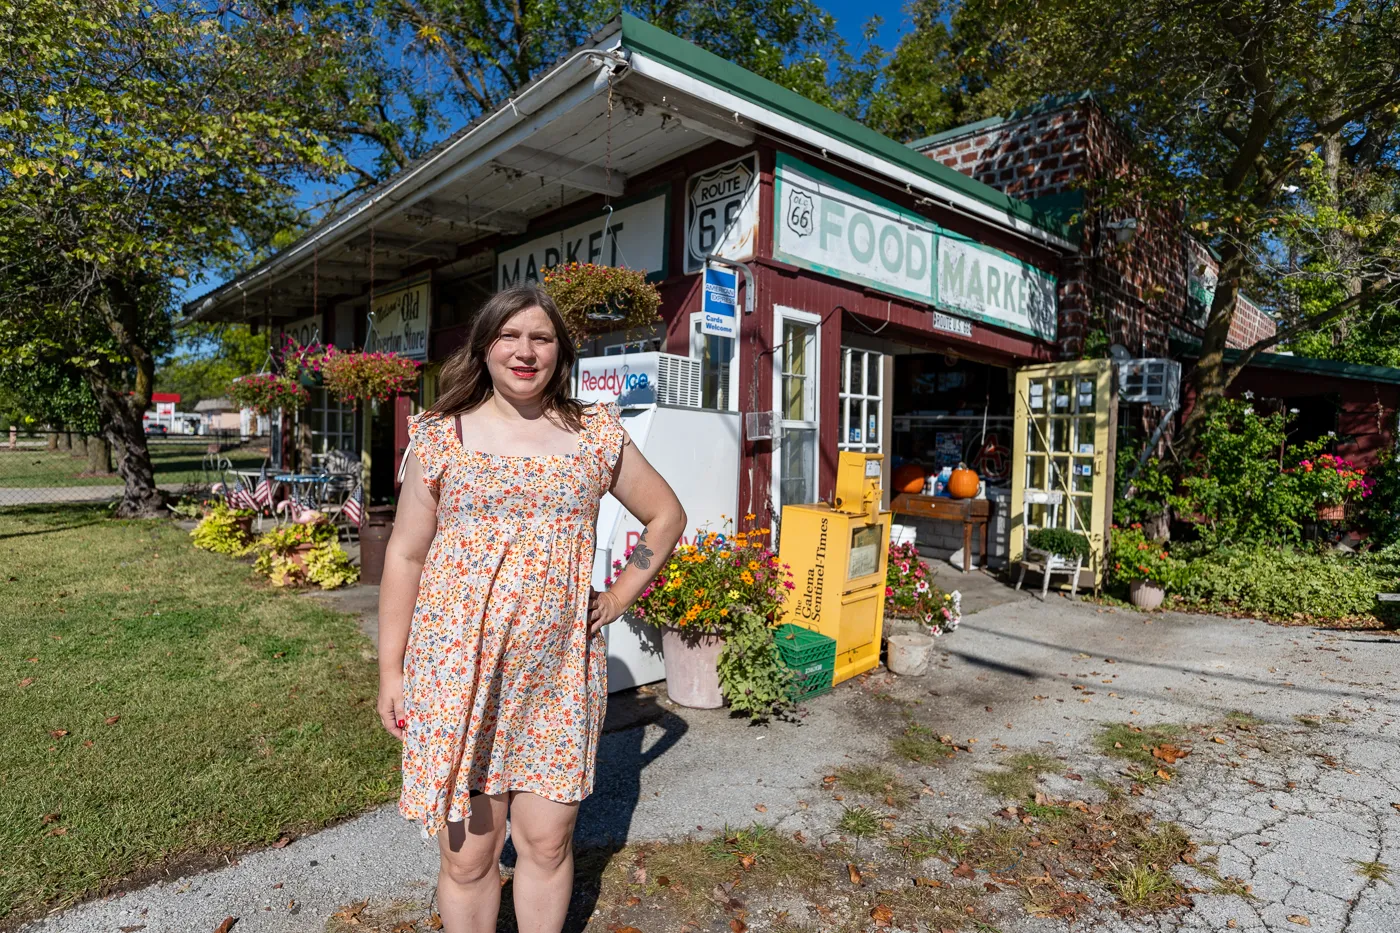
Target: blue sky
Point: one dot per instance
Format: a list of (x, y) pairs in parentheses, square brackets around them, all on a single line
[(852, 14)]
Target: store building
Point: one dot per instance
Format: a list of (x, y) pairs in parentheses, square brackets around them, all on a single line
[(888, 302)]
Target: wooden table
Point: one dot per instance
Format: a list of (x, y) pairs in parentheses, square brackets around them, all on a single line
[(968, 511)]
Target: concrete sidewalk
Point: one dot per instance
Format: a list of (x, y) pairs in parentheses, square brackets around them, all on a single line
[(1290, 820)]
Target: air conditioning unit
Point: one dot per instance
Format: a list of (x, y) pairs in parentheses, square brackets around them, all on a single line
[(1151, 381), (678, 381)]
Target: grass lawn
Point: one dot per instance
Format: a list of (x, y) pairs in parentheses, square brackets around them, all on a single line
[(174, 462), (160, 708)]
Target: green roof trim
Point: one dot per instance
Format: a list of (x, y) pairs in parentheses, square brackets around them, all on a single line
[(967, 129), (1303, 364), (706, 67)]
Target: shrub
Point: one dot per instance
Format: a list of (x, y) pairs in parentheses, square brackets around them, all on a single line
[(1380, 512), (221, 530), (1061, 542), (1151, 488), (909, 593), (325, 564), (1282, 583)]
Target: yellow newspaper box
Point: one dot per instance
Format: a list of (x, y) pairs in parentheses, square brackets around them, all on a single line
[(837, 552)]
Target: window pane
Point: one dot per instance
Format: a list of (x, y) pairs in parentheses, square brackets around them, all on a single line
[(872, 374), (845, 369), (872, 422), (857, 382), (798, 475), (794, 391)]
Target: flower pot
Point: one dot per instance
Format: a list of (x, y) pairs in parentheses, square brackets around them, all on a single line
[(909, 655), (1332, 512), (1145, 594), (298, 554), (245, 526), (374, 542), (692, 667)]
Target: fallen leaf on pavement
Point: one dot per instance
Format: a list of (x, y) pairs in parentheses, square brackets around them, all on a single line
[(964, 870), (747, 861), (853, 872), (737, 925), (435, 921), (350, 914), (49, 818), (1169, 753), (627, 930), (1232, 923), (882, 915), (760, 808), (57, 831), (663, 881), (1300, 920), (633, 901), (282, 842), (927, 883), (1164, 775), (1070, 775), (226, 925), (639, 875), (991, 888), (403, 926)]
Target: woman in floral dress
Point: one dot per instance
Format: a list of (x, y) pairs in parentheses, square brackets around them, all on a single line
[(492, 663)]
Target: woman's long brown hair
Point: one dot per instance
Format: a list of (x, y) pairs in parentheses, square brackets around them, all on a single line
[(466, 382)]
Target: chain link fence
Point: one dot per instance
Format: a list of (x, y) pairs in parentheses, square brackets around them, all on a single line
[(45, 467)]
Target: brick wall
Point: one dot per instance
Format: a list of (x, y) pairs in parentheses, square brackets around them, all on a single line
[(1135, 292)]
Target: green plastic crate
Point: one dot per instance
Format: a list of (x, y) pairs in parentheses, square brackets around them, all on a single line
[(811, 656)]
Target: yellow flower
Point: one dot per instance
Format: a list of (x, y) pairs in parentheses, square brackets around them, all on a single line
[(753, 565), (733, 594), (724, 612), (724, 554), (750, 517), (699, 592), (746, 577)]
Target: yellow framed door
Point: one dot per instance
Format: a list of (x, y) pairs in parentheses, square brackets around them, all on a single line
[(1066, 416)]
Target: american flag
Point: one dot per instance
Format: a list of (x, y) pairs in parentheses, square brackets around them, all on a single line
[(241, 498), (263, 494), (354, 509)]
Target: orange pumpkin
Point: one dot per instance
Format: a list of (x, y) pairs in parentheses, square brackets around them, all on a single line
[(909, 477), (963, 483)]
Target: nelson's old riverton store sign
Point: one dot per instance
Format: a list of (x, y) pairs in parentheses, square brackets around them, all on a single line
[(830, 226)]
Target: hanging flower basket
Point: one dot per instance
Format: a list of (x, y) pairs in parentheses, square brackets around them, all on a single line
[(304, 362), (595, 299), (369, 377), (267, 392)]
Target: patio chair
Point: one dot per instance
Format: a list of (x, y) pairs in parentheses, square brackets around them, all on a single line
[(1044, 561)]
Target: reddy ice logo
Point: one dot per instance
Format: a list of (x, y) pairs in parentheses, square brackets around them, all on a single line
[(615, 382)]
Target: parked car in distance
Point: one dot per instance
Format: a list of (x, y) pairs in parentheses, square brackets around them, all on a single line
[(156, 428)]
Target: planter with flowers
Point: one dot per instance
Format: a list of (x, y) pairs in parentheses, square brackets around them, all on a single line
[(716, 602), (304, 363), (597, 299), (302, 554), (910, 594), (1333, 484), (356, 377), (267, 392), (1143, 564)]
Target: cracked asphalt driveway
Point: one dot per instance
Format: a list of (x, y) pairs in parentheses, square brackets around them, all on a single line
[(1302, 805)]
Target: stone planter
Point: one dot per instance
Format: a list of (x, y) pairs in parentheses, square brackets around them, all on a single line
[(909, 655), (1146, 595), (692, 667)]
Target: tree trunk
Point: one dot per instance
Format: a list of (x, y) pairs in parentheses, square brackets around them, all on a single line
[(122, 427), (65, 441), (52, 442), (99, 456), (1210, 377), (80, 445)]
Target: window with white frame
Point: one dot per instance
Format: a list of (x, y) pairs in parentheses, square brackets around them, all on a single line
[(332, 423), (860, 398), (719, 370), (795, 476)]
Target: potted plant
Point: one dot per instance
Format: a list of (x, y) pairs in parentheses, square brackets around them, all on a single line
[(1144, 565), (910, 593), (224, 530), (1069, 546), (1333, 483), (267, 392), (716, 602), (596, 299), (304, 363), (360, 376), (298, 554)]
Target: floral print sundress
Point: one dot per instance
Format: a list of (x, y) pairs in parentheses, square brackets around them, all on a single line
[(504, 689)]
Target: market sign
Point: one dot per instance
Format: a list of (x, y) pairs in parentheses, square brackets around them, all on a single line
[(988, 285), (719, 308), (400, 318), (721, 213), (827, 225), (632, 236), (306, 331), (626, 378)]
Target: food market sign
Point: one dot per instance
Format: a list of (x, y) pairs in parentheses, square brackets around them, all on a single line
[(400, 316), (632, 236), (984, 283), (829, 226), (721, 213)]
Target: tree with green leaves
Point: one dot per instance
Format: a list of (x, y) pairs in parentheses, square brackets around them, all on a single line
[(1226, 104), (207, 357), (139, 142)]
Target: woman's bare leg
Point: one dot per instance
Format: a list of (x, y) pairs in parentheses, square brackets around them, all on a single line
[(469, 881), (543, 833)]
